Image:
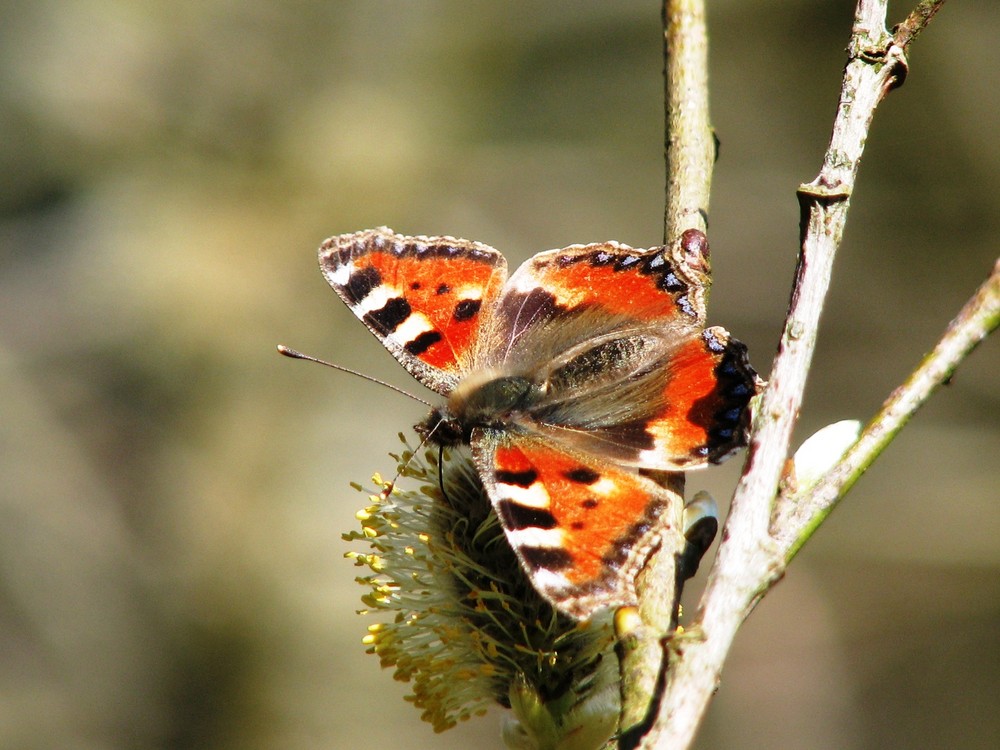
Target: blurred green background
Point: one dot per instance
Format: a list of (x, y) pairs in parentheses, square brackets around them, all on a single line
[(173, 492)]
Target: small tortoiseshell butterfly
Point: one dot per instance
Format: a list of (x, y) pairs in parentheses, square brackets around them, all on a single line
[(571, 380)]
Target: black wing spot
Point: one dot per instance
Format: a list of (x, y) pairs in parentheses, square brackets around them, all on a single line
[(516, 516), (517, 478), (423, 342), (548, 558), (442, 289), (582, 475), (390, 316), (360, 284), (735, 388), (467, 309)]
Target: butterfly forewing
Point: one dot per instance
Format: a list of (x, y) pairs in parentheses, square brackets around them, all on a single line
[(423, 297), (641, 285)]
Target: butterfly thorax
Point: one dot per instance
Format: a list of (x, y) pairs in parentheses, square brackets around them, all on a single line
[(488, 398)]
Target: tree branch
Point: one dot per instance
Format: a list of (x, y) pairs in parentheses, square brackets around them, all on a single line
[(689, 150), (918, 19), (750, 559), (689, 144)]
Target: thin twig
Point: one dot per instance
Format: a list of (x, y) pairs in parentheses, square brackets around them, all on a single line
[(802, 513), (689, 144), (690, 155), (918, 19), (749, 560)]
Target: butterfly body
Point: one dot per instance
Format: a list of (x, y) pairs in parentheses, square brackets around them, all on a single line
[(574, 381)]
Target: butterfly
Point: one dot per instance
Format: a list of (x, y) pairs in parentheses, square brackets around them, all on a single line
[(574, 382)]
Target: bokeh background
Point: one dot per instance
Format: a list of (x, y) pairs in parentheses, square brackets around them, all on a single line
[(172, 492)]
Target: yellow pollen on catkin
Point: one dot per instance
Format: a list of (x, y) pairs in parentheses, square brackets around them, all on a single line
[(459, 623)]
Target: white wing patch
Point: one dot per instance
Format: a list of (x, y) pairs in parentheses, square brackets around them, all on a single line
[(536, 537), (534, 496)]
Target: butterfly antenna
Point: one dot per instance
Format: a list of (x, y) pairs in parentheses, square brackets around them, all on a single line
[(282, 349), (294, 354)]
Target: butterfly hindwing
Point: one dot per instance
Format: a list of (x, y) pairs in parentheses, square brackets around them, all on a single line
[(423, 297), (704, 414), (581, 528)]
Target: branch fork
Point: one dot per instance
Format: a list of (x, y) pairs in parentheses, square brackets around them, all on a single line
[(772, 514)]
